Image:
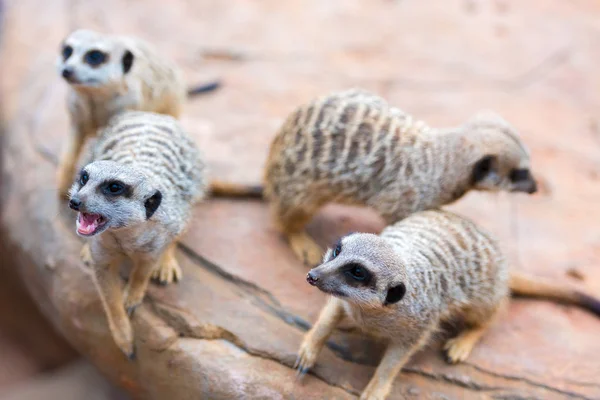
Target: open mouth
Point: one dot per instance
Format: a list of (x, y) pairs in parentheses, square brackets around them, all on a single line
[(89, 224)]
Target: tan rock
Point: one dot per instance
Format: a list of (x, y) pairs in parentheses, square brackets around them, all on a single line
[(232, 327)]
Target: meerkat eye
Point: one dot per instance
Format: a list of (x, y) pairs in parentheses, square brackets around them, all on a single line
[(84, 178), (358, 273), (66, 52), (115, 188), (337, 249), (517, 175), (95, 57)]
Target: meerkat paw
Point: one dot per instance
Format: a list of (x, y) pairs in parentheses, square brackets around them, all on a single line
[(458, 348), (307, 357), (168, 271), (306, 249), (374, 392), (132, 302), (123, 336)]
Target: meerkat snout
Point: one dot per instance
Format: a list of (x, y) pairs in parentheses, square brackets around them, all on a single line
[(67, 73), (505, 164), (74, 204), (311, 278), (110, 196)]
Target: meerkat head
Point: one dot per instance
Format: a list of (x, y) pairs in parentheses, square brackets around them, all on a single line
[(109, 195), (503, 161), (362, 269), (92, 60)]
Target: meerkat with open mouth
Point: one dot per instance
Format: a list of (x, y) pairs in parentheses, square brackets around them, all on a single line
[(134, 199), (109, 74)]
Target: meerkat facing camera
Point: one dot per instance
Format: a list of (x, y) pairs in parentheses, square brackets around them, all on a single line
[(352, 148), (134, 199), (108, 74), (431, 267)]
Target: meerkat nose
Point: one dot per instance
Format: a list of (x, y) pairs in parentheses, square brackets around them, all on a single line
[(532, 188), (75, 204), (311, 278), (67, 73)]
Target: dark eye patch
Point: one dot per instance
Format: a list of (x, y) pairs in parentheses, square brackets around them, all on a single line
[(116, 188), (518, 175), (358, 274), (67, 51), (482, 168), (83, 178), (95, 57)]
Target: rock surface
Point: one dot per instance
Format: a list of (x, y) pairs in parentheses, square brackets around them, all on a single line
[(232, 327)]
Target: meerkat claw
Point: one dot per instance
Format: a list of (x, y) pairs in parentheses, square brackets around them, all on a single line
[(133, 355), (131, 309)]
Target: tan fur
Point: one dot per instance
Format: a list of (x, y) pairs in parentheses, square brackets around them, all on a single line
[(227, 189), (149, 155), (98, 93), (352, 148), (448, 267)]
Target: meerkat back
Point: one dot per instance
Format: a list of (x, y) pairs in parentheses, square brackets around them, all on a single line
[(352, 148), (157, 145)]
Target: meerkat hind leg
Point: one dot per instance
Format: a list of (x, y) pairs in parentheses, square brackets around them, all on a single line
[(305, 248), (458, 348), (168, 269), (293, 225)]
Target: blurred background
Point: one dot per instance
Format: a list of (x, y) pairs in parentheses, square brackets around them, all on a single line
[(535, 62)]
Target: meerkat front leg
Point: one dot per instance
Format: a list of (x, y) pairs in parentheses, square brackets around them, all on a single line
[(293, 225), (138, 282), (168, 269), (315, 339), (396, 355), (108, 283)]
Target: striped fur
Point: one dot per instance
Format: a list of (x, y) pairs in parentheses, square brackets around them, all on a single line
[(134, 199), (435, 266), (97, 93), (351, 147), (157, 146)]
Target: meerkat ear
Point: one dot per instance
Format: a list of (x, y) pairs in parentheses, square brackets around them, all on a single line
[(127, 61), (395, 294), (484, 167), (152, 203)]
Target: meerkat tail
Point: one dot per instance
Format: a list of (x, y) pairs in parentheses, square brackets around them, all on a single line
[(205, 88), (524, 285), (226, 189)]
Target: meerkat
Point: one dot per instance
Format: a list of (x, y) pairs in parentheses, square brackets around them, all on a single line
[(107, 75), (134, 199), (352, 148), (432, 266)]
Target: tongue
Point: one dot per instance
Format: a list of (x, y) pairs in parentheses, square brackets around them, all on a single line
[(88, 223)]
